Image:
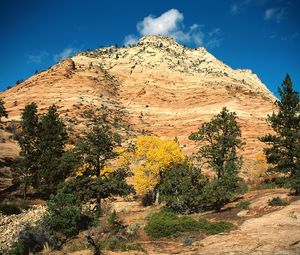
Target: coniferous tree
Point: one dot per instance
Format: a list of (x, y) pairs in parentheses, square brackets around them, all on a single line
[(181, 188), (96, 148), (3, 112), (220, 140), (43, 161), (283, 152), (50, 145), (27, 167)]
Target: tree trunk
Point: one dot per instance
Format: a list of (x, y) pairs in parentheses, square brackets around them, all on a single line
[(218, 206), (98, 200), (25, 189), (94, 245), (156, 197)]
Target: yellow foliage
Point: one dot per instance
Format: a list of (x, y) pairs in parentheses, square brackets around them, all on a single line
[(152, 156), (124, 158), (87, 169)]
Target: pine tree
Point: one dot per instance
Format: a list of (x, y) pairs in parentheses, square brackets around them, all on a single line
[(26, 167), (181, 188), (220, 140), (96, 148), (51, 141), (283, 152), (3, 112)]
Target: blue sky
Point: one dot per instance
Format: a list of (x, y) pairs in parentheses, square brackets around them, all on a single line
[(262, 35)]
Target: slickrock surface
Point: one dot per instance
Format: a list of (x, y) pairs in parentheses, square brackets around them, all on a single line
[(277, 233), (160, 85)]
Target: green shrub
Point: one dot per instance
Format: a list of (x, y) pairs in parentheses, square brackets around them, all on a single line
[(188, 183), (115, 244), (163, 224), (64, 214), (33, 239), (9, 209), (244, 204), (115, 223), (213, 228), (277, 201)]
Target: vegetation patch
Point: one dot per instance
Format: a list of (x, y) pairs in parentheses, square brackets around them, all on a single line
[(115, 244), (277, 201), (244, 204), (32, 240), (9, 209), (163, 224)]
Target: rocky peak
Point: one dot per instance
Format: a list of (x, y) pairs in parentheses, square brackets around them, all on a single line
[(158, 40)]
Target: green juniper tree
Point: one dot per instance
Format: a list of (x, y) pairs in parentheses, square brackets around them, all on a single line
[(27, 167), (43, 162), (220, 140), (181, 188), (283, 152), (3, 112), (96, 148), (50, 145)]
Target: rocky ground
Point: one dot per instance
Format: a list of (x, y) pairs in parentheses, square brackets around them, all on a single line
[(260, 230), (10, 226)]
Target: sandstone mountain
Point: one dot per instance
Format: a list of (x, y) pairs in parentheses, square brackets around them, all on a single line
[(159, 86)]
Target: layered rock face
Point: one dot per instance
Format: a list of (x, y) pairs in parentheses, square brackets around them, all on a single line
[(161, 86)]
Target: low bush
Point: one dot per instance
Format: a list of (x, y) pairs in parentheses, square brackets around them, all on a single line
[(32, 240), (244, 204), (164, 223), (9, 209), (277, 201), (115, 244), (213, 228), (181, 188), (64, 214), (114, 222)]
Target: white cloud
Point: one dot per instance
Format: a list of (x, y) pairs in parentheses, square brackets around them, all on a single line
[(38, 58), (275, 14), (171, 24), (166, 24), (130, 39), (65, 53)]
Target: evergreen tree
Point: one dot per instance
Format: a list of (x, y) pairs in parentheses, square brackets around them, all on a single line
[(283, 152), (97, 180), (26, 167), (181, 188), (97, 147), (220, 141), (51, 141), (3, 112)]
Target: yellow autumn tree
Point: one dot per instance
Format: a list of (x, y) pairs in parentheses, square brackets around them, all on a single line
[(152, 156)]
